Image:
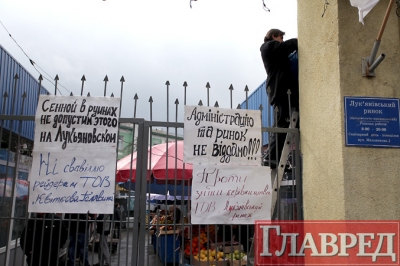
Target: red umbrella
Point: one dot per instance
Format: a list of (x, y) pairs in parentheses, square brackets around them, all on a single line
[(164, 161)]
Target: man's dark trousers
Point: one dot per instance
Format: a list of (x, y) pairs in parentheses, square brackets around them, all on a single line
[(81, 250), (277, 140)]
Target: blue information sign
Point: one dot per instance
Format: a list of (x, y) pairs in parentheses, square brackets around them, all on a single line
[(372, 122)]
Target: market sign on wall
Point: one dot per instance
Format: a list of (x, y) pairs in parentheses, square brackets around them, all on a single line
[(372, 122), (222, 136), (73, 168)]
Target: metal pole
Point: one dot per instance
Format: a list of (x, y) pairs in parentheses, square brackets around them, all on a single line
[(376, 63), (105, 85), (83, 79), (378, 39), (377, 43), (231, 89), (184, 95), (385, 19), (122, 80), (246, 89), (167, 83), (9, 229), (40, 86), (55, 86)]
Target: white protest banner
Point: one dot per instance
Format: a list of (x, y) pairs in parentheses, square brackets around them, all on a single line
[(222, 136), (222, 194), (74, 157), (76, 122)]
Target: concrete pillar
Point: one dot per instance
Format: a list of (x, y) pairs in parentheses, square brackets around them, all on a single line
[(342, 182)]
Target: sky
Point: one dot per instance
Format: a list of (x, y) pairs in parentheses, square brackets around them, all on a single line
[(149, 43)]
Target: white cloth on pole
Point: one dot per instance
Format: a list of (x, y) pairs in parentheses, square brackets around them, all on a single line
[(364, 6)]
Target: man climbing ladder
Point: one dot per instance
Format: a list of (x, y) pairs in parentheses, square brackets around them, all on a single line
[(281, 78)]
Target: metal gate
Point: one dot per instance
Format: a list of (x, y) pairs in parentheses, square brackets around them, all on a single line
[(143, 239)]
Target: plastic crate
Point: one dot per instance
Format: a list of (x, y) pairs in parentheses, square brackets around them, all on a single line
[(168, 248)]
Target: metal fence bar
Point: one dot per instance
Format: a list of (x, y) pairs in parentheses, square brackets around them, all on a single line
[(142, 163), (16, 173), (11, 211)]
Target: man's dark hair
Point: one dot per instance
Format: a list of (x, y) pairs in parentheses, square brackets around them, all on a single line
[(273, 33)]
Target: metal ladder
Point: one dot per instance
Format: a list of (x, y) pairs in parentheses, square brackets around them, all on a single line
[(278, 178), (280, 169)]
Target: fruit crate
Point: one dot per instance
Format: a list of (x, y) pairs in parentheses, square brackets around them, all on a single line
[(227, 247), (195, 262), (238, 262)]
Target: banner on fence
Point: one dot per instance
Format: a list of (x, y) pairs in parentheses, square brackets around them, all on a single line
[(222, 136), (73, 168), (222, 194)]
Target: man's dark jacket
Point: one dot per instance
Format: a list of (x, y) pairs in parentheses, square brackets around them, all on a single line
[(275, 56), (39, 238), (80, 226)]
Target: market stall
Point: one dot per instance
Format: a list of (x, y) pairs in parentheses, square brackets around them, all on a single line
[(190, 244)]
